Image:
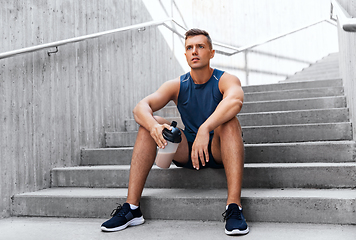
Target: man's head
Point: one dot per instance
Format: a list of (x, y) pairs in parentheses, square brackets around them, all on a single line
[(195, 32), (198, 49)]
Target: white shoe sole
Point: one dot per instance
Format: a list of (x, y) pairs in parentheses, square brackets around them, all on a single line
[(237, 232), (132, 222)]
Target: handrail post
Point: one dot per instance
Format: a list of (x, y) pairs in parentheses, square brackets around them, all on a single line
[(247, 72)]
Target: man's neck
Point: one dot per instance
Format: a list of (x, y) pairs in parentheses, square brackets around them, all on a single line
[(201, 76)]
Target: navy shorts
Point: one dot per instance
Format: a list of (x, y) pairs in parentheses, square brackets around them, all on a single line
[(211, 164)]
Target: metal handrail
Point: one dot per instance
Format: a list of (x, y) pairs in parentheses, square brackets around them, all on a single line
[(258, 43), (247, 47), (82, 38), (149, 24), (347, 22)]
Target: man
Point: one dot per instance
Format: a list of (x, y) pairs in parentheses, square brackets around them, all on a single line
[(208, 101)]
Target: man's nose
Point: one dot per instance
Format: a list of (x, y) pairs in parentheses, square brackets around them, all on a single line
[(195, 50)]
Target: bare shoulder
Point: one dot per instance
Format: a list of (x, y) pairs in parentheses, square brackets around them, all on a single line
[(172, 83), (170, 87), (169, 90), (227, 77), (166, 92), (227, 81)]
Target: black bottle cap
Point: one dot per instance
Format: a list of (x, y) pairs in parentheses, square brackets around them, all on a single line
[(173, 135)]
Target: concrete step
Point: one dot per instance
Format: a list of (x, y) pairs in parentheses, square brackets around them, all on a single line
[(106, 156), (298, 133), (327, 63), (327, 66), (302, 152), (320, 73), (88, 229), (306, 79), (293, 104), (294, 94), (311, 70), (276, 105), (335, 206), (325, 69), (275, 118), (295, 85), (296, 78), (264, 134), (256, 175), (330, 57), (294, 117)]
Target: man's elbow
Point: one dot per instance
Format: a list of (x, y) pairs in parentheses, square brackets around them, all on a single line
[(238, 105), (136, 109)]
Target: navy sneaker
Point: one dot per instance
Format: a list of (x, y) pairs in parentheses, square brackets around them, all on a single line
[(122, 217), (235, 221)]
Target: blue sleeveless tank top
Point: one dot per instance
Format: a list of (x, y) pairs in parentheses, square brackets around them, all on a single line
[(196, 102)]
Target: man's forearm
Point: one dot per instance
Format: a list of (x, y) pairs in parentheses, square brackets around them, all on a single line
[(226, 110), (143, 115)]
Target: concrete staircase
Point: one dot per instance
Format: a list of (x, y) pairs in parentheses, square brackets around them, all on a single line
[(326, 68), (299, 168)]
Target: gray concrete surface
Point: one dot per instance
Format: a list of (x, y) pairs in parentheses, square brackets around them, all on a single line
[(294, 94), (333, 151), (331, 206), (285, 85), (89, 229), (275, 118), (293, 104), (256, 175), (276, 105), (264, 134)]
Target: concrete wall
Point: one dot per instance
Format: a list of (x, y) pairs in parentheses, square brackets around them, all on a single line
[(347, 43), (241, 22), (52, 106)]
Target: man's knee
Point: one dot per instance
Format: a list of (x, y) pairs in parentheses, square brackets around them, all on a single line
[(143, 133), (230, 127)]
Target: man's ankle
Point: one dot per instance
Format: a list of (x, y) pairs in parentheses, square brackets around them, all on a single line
[(133, 207)]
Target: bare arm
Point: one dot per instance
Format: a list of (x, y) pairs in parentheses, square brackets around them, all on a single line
[(143, 112), (230, 105), (228, 108)]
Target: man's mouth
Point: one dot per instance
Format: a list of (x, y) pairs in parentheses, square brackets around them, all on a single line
[(195, 59)]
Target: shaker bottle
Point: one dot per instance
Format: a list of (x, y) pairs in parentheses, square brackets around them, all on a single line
[(165, 155)]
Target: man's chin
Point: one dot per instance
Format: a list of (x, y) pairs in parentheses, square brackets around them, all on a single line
[(197, 66)]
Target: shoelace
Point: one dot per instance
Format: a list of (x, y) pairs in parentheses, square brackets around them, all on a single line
[(234, 213), (118, 211)]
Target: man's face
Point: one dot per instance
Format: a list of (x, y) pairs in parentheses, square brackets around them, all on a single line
[(198, 52)]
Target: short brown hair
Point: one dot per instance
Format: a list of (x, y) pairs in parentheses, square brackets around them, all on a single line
[(195, 32)]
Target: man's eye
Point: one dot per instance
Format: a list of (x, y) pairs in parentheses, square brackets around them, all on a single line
[(201, 46)]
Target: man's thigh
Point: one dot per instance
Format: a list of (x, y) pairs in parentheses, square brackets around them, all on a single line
[(215, 149)]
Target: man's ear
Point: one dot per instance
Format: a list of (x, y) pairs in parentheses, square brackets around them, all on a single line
[(212, 54)]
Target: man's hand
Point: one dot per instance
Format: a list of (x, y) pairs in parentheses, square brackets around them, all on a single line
[(200, 148), (156, 134)]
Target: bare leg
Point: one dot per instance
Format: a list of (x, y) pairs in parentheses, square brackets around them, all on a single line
[(143, 157), (228, 148)]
